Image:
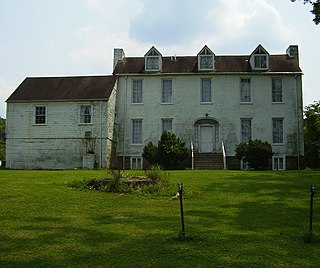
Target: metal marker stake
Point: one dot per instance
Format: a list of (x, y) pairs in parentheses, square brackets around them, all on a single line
[(181, 210)]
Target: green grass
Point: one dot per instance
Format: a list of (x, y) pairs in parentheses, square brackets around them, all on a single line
[(232, 219)]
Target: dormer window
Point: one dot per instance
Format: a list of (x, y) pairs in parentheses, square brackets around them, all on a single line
[(153, 60), (259, 59), (205, 60)]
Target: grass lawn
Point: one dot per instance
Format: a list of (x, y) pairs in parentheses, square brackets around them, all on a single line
[(232, 219)]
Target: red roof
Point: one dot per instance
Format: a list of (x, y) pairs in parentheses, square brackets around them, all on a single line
[(64, 88), (223, 64)]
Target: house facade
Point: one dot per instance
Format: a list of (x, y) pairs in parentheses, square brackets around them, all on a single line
[(212, 102), (61, 123)]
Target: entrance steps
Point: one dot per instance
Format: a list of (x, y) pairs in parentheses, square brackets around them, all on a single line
[(208, 161)]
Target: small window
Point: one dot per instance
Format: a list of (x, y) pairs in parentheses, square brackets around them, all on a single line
[(136, 163), (137, 91), (245, 90), (206, 90), (85, 114), (259, 59), (205, 59), (166, 125), (166, 95), (277, 130), (40, 115), (153, 60), (277, 90), (278, 163), (246, 130), (137, 131)]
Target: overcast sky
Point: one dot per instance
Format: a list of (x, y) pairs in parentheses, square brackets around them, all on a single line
[(77, 37)]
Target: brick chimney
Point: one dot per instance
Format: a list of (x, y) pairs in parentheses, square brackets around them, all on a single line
[(293, 52), (118, 54)]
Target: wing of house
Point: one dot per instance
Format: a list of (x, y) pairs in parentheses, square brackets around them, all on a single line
[(61, 122)]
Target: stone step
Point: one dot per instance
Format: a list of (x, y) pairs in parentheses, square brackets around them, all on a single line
[(208, 161)]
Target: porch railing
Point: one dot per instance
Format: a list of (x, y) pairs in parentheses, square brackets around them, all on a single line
[(224, 156)]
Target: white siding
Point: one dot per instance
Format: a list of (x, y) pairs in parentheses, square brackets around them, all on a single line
[(59, 144), (225, 108)]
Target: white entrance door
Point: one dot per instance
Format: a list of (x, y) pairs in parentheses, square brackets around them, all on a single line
[(206, 139)]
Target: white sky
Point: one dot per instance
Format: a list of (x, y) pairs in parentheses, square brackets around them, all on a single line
[(77, 37)]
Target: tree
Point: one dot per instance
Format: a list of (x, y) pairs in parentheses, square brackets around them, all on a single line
[(2, 138), (315, 9), (170, 153), (312, 135), (256, 153)]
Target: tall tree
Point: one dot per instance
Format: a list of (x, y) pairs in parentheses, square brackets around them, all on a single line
[(315, 9), (312, 134)]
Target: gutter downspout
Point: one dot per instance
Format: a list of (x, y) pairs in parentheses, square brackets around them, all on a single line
[(101, 134), (125, 124), (298, 121)]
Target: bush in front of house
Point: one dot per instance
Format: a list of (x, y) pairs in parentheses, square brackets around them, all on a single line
[(171, 152), (255, 152)]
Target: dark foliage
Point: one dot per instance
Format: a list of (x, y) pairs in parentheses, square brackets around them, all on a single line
[(315, 9), (256, 152), (170, 153)]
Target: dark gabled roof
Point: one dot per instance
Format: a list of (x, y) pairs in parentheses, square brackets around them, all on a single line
[(64, 88), (223, 64)]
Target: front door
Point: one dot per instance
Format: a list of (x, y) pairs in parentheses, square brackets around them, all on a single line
[(206, 139)]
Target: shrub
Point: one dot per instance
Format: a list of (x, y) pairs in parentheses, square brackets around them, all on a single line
[(170, 153), (256, 152)]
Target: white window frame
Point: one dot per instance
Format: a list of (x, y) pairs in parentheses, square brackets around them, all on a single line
[(164, 127), (42, 115), (136, 162), (277, 132), (276, 162), (153, 60), (205, 94), (245, 90), (277, 93), (136, 131), (83, 117), (137, 91), (205, 60), (166, 92), (246, 134)]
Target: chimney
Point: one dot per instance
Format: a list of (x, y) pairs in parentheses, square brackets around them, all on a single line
[(118, 54), (293, 52)]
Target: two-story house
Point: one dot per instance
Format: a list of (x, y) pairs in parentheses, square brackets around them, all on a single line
[(212, 102)]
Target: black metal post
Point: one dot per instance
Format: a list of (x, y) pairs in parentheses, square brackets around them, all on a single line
[(181, 210), (312, 192)]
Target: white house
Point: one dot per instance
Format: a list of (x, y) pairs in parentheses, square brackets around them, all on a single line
[(61, 122), (212, 102)]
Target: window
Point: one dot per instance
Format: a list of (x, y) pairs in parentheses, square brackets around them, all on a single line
[(166, 91), (205, 59), (246, 129), (278, 163), (277, 130), (153, 60), (206, 90), (136, 163), (277, 90), (40, 115), (245, 90), (137, 131), (260, 59), (137, 91), (85, 114), (166, 125)]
